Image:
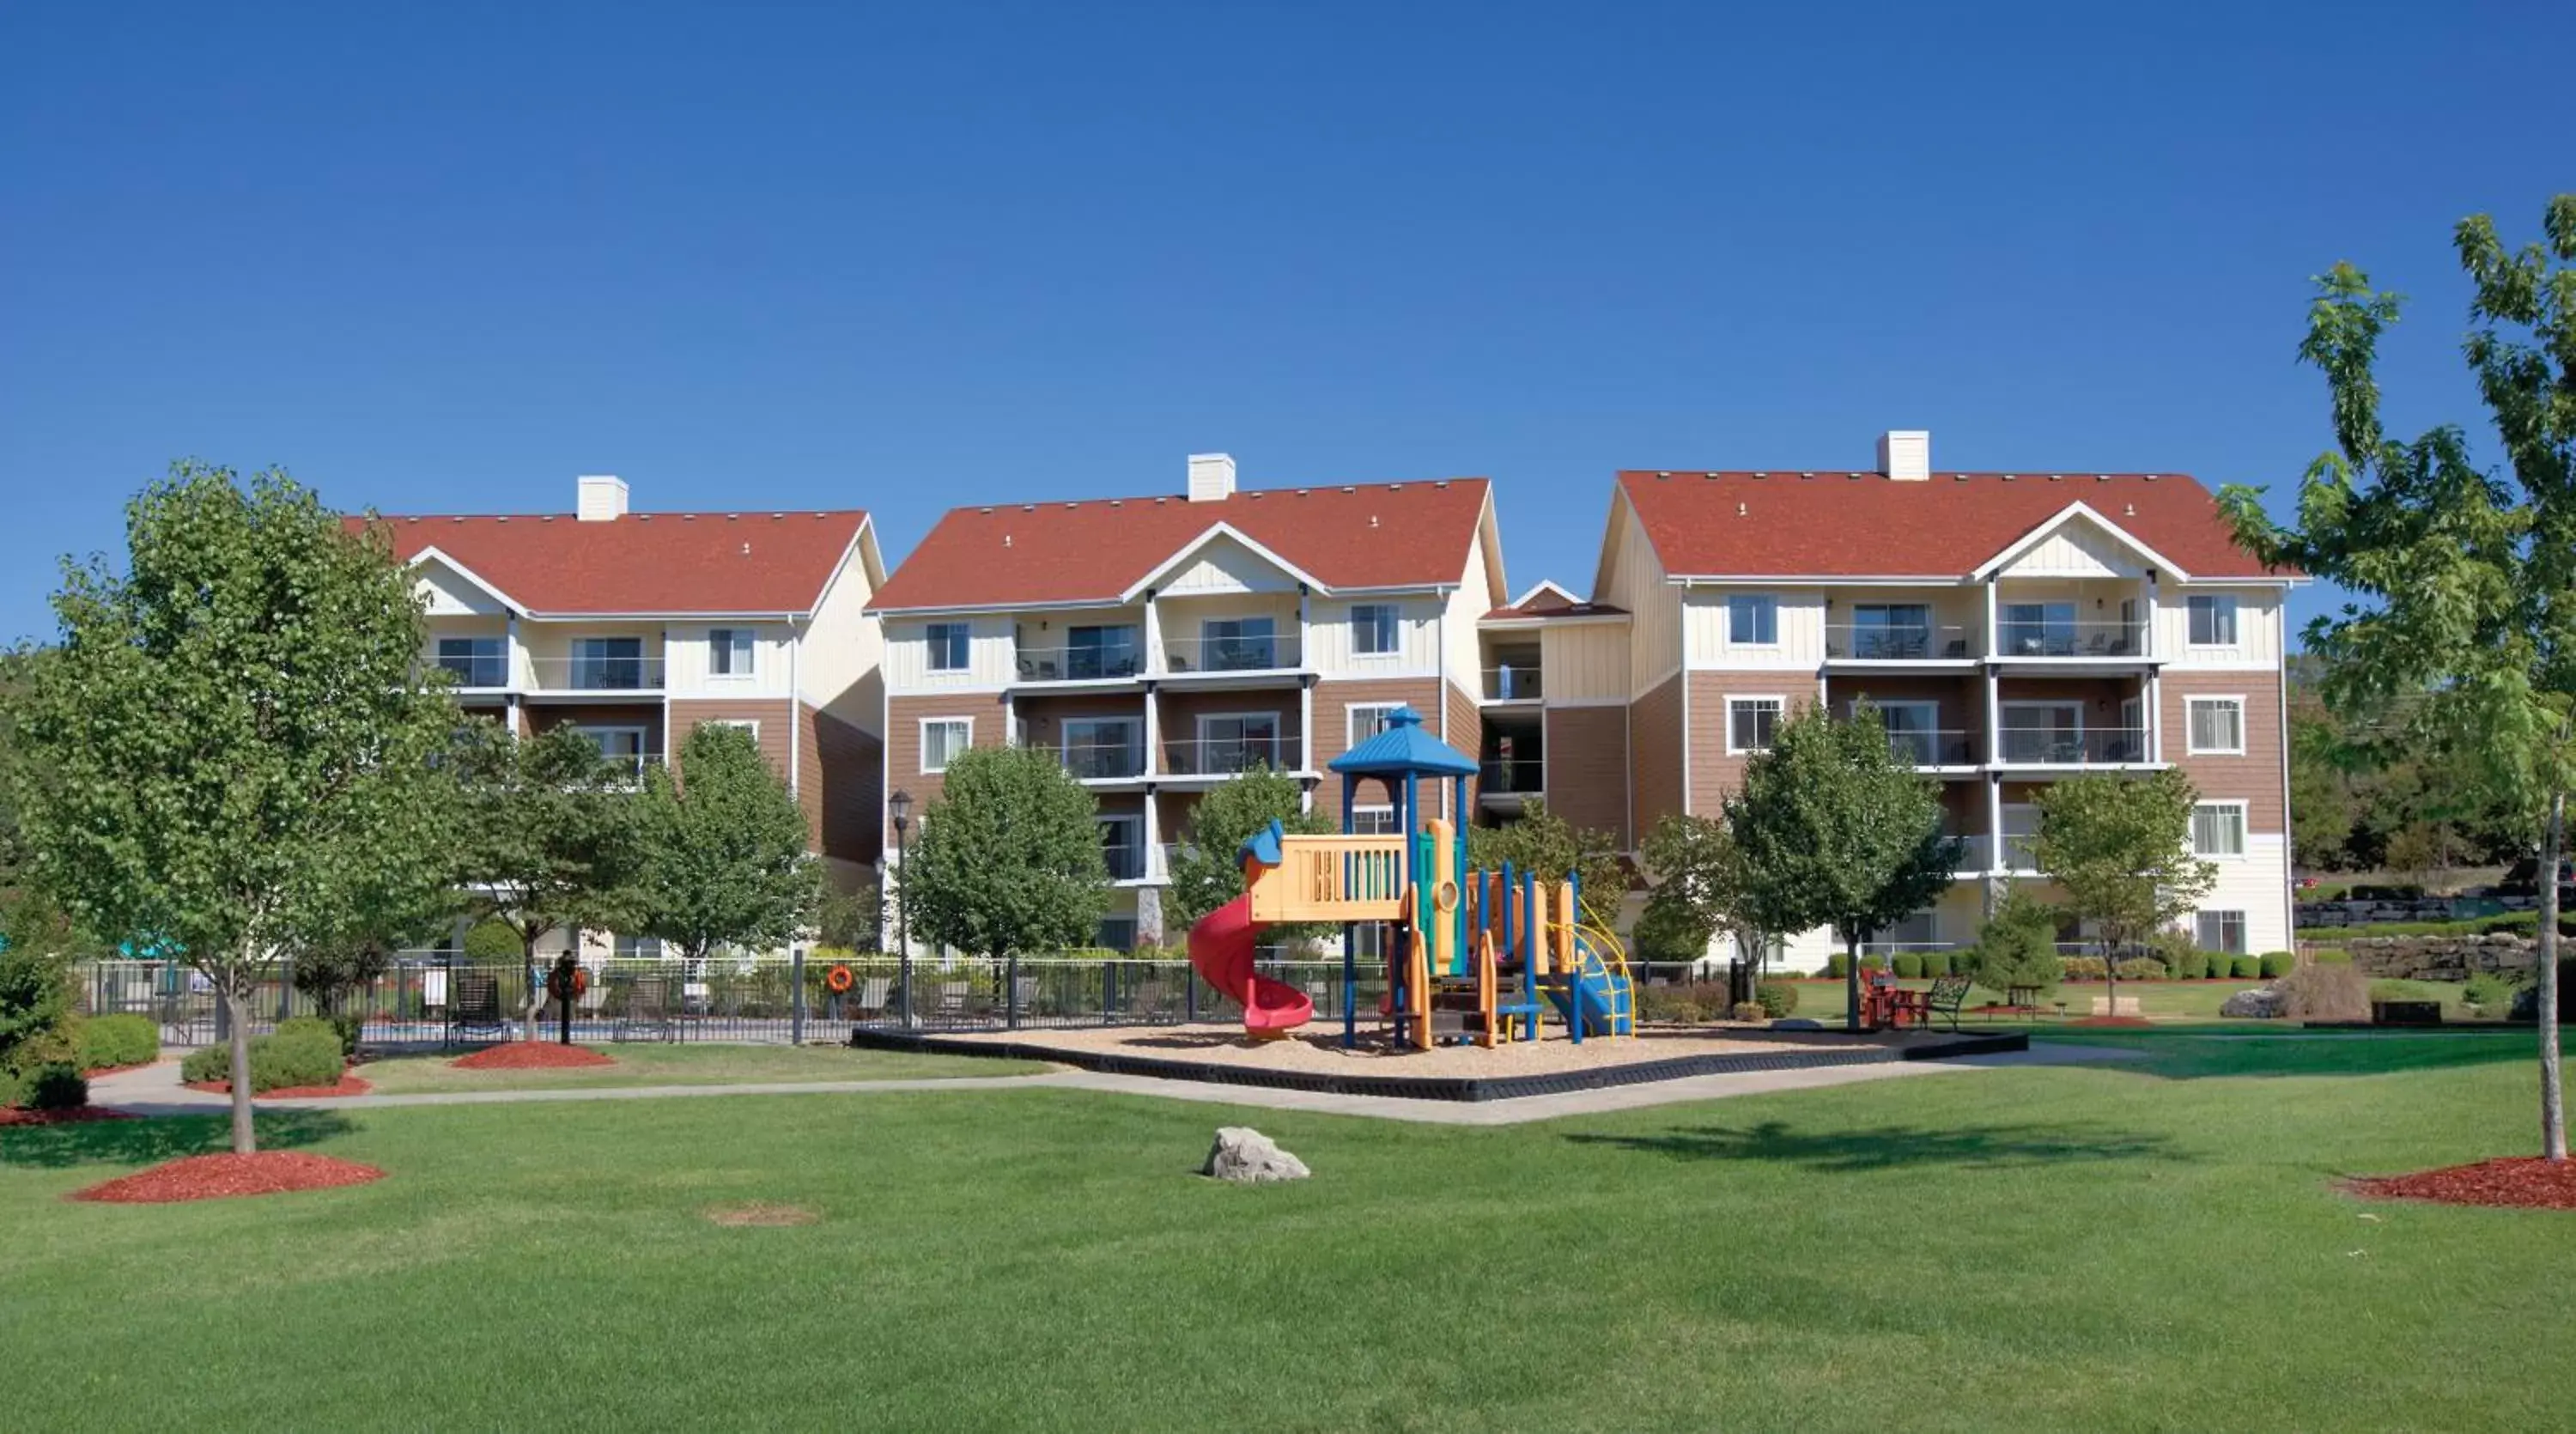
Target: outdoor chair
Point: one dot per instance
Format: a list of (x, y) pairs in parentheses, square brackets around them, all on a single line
[(952, 1002), (648, 1011), (1151, 1002), (872, 996), (474, 1006), (1024, 995), (1947, 995)]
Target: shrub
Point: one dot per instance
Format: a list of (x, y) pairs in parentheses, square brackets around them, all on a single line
[(1683, 1001), (2275, 965), (2324, 993), (2142, 968), (1751, 1011), (1838, 966), (492, 941), (1936, 964), (2489, 994), (2330, 956), (1777, 998), (305, 1051), (2247, 968), (2082, 968), (1909, 966), (2393, 991), (2191, 965), (105, 1041), (58, 1086)]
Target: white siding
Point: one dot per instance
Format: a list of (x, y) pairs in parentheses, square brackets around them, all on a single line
[(1637, 583), (686, 662), (840, 669), (1226, 566), (1584, 662), (990, 656), (2257, 884), (1468, 602), (1329, 646), (2078, 550), (1712, 645), (2258, 629), (450, 595), (544, 657)]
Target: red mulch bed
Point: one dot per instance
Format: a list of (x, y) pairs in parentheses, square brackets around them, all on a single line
[(347, 1085), (221, 1177), (530, 1056), (2525, 1181), (74, 1116), (2117, 1022)]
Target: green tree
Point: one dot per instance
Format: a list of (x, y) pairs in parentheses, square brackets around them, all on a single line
[(1838, 829), (2119, 849), (1543, 842), (230, 736), (550, 840), (1009, 857), (722, 857), (2018, 945), (849, 918), (2460, 633), (1702, 888), (1205, 874)]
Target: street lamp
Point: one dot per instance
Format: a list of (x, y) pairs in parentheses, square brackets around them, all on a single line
[(900, 806)]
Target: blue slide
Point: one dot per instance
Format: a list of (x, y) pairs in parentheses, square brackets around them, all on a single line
[(1600, 994)]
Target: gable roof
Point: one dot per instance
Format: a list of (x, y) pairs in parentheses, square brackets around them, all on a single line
[(1102, 550), (1847, 525), (718, 564), (1551, 599)]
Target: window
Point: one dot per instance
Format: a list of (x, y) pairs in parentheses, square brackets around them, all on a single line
[(623, 747), (748, 724), (639, 948), (1367, 719), (2021, 833), (942, 738), (1750, 722), (2213, 620), (1753, 620), (1914, 933), (1892, 630), (2218, 829), (1099, 748), (1118, 933), (1237, 742), (1095, 652), (608, 664), (949, 642), (1372, 821), (1239, 644), (2043, 731), (2038, 629), (476, 661), (1913, 732), (729, 652), (1373, 629), (2220, 931), (2217, 725), (1122, 846)]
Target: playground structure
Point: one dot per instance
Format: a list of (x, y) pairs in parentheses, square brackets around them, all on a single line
[(1470, 956)]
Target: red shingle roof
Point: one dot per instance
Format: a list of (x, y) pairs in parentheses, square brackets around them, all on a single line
[(746, 563), (1369, 535), (1843, 524), (1548, 600)]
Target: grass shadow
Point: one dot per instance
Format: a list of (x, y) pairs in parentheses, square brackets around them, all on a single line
[(1895, 1146), (149, 1142)]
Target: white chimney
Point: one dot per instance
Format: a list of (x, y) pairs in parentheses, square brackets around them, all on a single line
[(603, 498), (1211, 477), (1905, 454)]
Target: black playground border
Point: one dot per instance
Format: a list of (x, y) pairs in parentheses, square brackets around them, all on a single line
[(1457, 1088)]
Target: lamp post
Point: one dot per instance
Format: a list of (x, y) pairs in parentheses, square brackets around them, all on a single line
[(900, 805)]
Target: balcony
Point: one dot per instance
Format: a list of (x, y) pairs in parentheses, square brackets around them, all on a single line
[(2055, 746), (1506, 783), (1103, 761), (1114, 662), (2106, 640), (1126, 859), (475, 672), (1514, 682), (1900, 642), (1926, 747), (1277, 652), (616, 673), (1225, 756)]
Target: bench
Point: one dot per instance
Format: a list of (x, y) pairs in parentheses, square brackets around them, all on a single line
[(474, 1007), (1947, 995)]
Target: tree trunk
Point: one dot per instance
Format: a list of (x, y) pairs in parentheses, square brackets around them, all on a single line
[(1851, 983), (2553, 1108), (2111, 979), (237, 1011)]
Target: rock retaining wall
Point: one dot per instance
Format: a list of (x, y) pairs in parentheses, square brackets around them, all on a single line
[(2440, 958), (2431, 908)]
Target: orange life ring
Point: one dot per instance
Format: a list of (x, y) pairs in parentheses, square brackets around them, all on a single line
[(839, 980), (581, 980)]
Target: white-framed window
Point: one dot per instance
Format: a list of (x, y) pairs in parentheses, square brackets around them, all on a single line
[(2021, 836), (1373, 821), (2219, 931), (622, 746), (1122, 845), (2215, 726), (942, 738), (731, 652), (2218, 829), (950, 646), (1750, 721), (1753, 620), (639, 948), (1893, 630), (1364, 720), (1239, 644), (476, 661), (748, 724), (1376, 629), (2213, 619), (1104, 747), (608, 664), (2036, 629)]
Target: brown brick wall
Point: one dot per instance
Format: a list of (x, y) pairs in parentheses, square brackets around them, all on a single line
[(1714, 772), (778, 724), (1332, 728), (903, 740), (1586, 751), (1655, 755), (849, 763), (2254, 778)]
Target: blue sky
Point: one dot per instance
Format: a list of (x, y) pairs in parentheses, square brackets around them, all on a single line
[(445, 258)]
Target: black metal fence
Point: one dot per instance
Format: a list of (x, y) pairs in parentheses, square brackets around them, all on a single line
[(433, 1000)]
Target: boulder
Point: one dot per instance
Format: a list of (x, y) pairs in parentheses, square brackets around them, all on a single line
[(1246, 1156), (2265, 1002), (1796, 1023)]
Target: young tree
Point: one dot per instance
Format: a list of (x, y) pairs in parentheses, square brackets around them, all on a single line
[(1837, 828), (2018, 946), (2461, 636), (1543, 842), (1702, 888), (2119, 848), (232, 733), (722, 857), (1205, 872), (550, 843), (849, 919), (1009, 857)]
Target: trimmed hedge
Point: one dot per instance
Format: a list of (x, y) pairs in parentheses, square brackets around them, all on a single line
[(105, 1041), (305, 1051), (1778, 998), (56, 1087), (2274, 965), (1937, 964), (2142, 968), (1908, 966), (2191, 965), (493, 941), (2248, 968)]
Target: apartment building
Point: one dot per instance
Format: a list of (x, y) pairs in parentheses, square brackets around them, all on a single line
[(1159, 645), (2014, 629), (636, 627)]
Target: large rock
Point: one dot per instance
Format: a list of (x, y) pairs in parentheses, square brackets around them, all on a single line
[(2260, 1001), (1246, 1156)]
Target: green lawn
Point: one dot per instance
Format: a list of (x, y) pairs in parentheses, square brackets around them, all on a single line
[(2158, 1000), (710, 1064), (2154, 1246)]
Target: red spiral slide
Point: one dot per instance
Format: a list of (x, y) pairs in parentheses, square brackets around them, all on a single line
[(1221, 949)]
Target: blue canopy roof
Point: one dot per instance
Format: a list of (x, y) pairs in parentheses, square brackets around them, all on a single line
[(1402, 749)]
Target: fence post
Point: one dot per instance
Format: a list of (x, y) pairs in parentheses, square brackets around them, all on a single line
[(1190, 998), (796, 1003), (1011, 994), (285, 987)]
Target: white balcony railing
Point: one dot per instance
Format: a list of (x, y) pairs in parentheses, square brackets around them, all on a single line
[(1226, 756), (1900, 642), (1514, 682), (1276, 652), (595, 674), (1092, 663), (2072, 639), (2060, 747), (1103, 761)]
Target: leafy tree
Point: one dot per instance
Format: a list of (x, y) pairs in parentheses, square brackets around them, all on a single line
[(722, 850), (35, 1001), (2018, 946), (550, 838), (1838, 829), (849, 919), (1009, 857), (1543, 842), (1702, 888), (2119, 849), (2460, 637), (1205, 874), (232, 734)]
